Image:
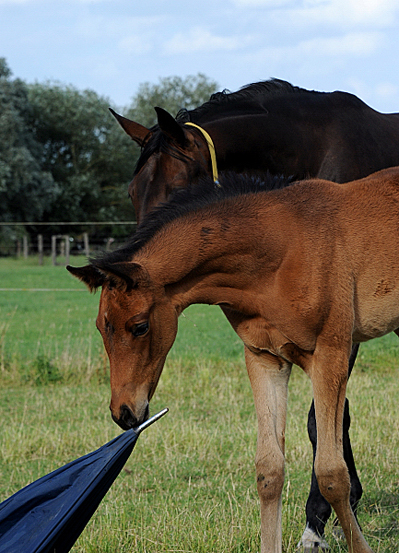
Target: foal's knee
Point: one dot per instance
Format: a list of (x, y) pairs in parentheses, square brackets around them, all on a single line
[(270, 480)]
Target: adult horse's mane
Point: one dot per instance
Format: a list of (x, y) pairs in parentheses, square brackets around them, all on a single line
[(189, 200), (249, 95), (158, 143), (251, 99), (247, 99)]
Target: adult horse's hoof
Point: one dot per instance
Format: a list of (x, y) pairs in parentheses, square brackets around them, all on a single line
[(320, 546), (338, 533), (312, 543)]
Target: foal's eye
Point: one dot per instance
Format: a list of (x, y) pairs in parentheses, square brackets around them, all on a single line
[(140, 329)]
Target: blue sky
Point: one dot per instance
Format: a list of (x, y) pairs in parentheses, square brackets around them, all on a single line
[(111, 46)]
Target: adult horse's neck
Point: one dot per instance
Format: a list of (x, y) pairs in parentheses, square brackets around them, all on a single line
[(267, 142), (305, 135)]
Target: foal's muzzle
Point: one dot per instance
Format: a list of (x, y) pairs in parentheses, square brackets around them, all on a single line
[(127, 419)]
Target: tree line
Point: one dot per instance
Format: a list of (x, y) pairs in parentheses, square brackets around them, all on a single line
[(63, 157)]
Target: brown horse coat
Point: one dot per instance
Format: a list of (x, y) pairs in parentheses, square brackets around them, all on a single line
[(269, 126), (299, 286)]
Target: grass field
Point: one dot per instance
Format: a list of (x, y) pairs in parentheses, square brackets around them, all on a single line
[(189, 485)]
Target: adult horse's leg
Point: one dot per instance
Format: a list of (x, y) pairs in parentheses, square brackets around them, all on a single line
[(329, 387), (318, 510), (269, 377)]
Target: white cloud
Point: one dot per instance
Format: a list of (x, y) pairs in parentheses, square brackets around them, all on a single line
[(268, 4), (325, 50), (340, 12), (9, 2), (357, 44), (52, 2), (132, 35), (201, 40), (344, 13)]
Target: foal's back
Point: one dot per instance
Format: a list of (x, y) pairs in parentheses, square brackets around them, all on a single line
[(353, 231)]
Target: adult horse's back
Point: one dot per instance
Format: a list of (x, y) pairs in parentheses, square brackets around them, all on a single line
[(286, 130)]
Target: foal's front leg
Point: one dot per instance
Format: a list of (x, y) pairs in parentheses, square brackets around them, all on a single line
[(269, 377)]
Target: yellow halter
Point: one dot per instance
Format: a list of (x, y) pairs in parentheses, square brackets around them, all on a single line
[(212, 151)]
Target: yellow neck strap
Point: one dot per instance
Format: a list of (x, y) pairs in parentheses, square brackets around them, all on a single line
[(212, 151)]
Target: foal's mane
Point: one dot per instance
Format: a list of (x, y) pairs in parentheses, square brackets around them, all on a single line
[(188, 201)]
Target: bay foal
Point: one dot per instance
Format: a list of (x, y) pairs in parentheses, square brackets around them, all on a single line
[(276, 127), (301, 285)]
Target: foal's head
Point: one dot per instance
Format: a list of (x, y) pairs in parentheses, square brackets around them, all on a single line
[(138, 326)]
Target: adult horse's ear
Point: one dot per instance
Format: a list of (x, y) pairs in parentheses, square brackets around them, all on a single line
[(170, 126), (137, 132), (90, 275)]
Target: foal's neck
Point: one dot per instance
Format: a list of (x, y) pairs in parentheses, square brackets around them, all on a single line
[(211, 259)]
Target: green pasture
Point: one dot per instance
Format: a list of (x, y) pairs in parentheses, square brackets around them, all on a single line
[(189, 485)]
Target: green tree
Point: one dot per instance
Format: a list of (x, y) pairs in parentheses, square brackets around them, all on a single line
[(171, 94), (25, 188), (63, 157), (84, 152)]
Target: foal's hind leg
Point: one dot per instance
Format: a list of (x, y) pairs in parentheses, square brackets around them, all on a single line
[(318, 510)]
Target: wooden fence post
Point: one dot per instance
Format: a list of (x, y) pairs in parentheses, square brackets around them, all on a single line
[(54, 249), (25, 245), (40, 248), (86, 243), (67, 249)]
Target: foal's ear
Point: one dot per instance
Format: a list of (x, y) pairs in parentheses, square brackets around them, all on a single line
[(90, 275), (170, 126), (137, 132), (117, 275), (125, 275)]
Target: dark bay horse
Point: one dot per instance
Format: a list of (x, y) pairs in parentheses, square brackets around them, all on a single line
[(276, 127), (301, 285), (267, 126)]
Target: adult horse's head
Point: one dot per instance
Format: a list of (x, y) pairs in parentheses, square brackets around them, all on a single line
[(172, 155), (138, 325)]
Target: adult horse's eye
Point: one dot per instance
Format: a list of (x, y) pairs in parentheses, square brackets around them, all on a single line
[(140, 329)]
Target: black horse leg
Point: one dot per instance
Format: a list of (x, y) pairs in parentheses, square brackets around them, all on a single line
[(318, 510)]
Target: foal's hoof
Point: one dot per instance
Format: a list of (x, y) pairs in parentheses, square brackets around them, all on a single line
[(312, 543)]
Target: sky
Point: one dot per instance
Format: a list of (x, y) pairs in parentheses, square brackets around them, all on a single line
[(113, 46)]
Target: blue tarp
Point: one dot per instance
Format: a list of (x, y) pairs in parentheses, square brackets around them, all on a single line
[(49, 515)]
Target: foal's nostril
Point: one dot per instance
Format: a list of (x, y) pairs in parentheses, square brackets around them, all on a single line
[(126, 418)]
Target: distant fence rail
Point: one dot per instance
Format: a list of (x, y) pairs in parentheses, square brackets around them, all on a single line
[(63, 223), (53, 243)]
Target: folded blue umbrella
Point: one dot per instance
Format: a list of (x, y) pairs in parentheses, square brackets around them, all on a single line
[(49, 515)]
